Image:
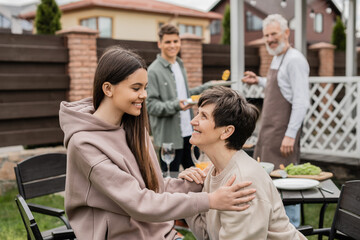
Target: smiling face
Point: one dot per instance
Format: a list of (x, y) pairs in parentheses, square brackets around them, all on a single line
[(128, 96), (276, 40), (170, 46), (205, 134)]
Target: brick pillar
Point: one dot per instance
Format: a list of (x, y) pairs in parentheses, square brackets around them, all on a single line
[(81, 42), (326, 65), (191, 54), (265, 57), (326, 58)]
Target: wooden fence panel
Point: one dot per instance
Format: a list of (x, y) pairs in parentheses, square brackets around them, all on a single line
[(147, 50), (33, 82), (38, 81), (339, 63), (28, 123), (216, 59), (32, 54), (314, 62)]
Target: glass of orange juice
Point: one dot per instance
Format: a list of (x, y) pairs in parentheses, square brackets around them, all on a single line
[(202, 165)]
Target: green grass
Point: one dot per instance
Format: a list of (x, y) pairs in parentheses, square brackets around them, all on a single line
[(12, 228), (11, 225), (312, 212)]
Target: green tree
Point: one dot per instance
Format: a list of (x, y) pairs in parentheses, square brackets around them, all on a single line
[(338, 37), (47, 20), (226, 26)]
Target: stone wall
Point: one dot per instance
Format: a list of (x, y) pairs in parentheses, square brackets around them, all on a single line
[(81, 42), (191, 54), (9, 160)]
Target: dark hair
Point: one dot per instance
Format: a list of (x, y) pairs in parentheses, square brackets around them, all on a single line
[(231, 109), (167, 29), (116, 65)]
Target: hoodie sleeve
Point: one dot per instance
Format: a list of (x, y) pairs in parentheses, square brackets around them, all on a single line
[(197, 225), (174, 185), (124, 189)]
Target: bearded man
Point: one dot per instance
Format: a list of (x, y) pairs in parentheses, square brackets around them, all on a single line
[(286, 97)]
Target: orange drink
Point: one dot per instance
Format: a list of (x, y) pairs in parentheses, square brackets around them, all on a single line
[(202, 165), (195, 98), (226, 74)]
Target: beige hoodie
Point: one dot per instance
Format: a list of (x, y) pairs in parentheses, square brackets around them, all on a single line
[(105, 196), (264, 219)]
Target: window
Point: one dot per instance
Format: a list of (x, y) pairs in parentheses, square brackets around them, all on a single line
[(103, 24), (160, 25), (197, 30), (26, 25), (318, 23), (253, 22), (215, 27), (4, 22)]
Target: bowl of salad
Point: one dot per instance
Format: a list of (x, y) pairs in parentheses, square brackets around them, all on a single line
[(268, 167)]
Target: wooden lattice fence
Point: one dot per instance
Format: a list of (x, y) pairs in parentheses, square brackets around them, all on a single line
[(331, 125)]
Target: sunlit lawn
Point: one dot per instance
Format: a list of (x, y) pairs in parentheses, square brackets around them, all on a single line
[(12, 228), (11, 225)]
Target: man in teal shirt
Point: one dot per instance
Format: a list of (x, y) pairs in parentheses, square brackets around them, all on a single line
[(168, 91)]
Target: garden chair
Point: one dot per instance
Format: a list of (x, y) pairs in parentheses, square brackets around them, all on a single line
[(32, 228), (346, 220), (42, 175)]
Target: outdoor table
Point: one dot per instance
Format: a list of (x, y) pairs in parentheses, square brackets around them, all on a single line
[(309, 196), (313, 195)]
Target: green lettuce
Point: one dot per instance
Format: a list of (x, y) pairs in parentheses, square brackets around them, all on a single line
[(302, 169)]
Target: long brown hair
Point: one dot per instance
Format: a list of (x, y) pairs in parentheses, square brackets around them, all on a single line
[(114, 66)]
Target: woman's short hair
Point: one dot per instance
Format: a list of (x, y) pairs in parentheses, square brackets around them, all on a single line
[(276, 18), (231, 109)]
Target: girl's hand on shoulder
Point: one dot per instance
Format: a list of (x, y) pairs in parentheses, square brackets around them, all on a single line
[(193, 174), (232, 197)]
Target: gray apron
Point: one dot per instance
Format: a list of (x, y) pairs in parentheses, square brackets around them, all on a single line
[(275, 118)]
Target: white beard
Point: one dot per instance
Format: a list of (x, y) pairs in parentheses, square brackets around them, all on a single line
[(277, 50)]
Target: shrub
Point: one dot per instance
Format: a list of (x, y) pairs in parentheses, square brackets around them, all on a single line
[(226, 26), (47, 20), (338, 37)]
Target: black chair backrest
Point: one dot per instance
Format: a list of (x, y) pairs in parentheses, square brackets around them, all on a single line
[(28, 219), (41, 175), (347, 215)]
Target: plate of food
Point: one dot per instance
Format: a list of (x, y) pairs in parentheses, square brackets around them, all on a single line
[(223, 83), (295, 183), (306, 170)]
